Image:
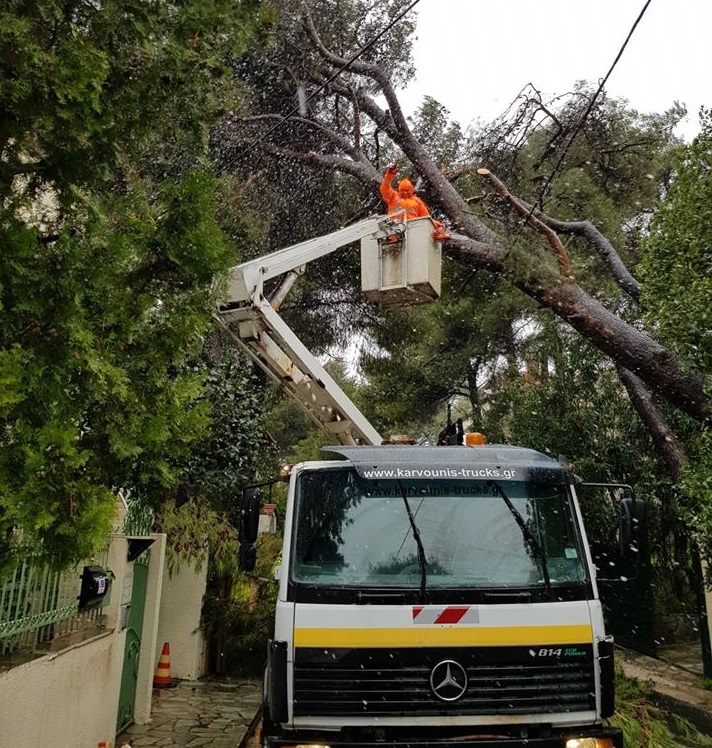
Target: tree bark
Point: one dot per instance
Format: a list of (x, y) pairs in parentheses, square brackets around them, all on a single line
[(666, 443), (628, 346)]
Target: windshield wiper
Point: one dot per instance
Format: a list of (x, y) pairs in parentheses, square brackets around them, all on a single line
[(422, 561), (528, 535)]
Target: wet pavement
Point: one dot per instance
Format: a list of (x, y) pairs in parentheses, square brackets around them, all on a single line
[(676, 678), (197, 714)]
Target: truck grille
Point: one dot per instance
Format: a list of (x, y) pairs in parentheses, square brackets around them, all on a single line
[(511, 680)]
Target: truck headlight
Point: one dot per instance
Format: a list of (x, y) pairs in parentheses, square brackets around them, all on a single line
[(589, 743)]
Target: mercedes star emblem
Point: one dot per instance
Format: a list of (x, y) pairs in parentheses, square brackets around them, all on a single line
[(448, 680)]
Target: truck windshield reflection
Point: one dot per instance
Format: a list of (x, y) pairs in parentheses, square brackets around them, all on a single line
[(355, 532)]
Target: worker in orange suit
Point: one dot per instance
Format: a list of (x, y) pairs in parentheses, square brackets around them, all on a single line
[(404, 205)]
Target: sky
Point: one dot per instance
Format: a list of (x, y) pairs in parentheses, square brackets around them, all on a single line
[(475, 56)]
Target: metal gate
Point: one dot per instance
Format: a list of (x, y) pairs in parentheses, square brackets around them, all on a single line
[(628, 608), (624, 583), (134, 626)]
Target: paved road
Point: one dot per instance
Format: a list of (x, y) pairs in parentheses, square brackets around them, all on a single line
[(197, 714)]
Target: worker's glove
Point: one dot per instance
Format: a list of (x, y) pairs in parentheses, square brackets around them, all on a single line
[(440, 234)]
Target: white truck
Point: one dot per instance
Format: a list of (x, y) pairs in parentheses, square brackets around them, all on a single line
[(428, 596)]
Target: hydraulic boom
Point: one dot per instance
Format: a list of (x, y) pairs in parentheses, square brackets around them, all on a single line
[(252, 318)]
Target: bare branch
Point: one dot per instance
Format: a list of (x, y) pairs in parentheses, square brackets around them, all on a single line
[(357, 125), (601, 244), (336, 138), (375, 72), (362, 170), (380, 117), (555, 244)]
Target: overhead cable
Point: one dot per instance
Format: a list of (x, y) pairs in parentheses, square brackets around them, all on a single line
[(580, 123)]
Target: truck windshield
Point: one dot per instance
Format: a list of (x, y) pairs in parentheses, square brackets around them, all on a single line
[(351, 531)]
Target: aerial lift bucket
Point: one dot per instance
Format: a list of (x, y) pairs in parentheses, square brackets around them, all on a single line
[(403, 269)]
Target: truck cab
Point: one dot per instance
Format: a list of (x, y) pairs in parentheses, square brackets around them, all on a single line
[(437, 594)]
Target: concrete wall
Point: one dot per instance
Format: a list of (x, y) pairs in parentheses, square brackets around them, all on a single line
[(179, 624), (70, 697), (268, 519)]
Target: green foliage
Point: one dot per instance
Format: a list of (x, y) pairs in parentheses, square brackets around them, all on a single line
[(697, 483), (289, 426), (442, 137), (234, 450), (197, 533), (424, 355), (646, 725), (296, 436), (676, 270), (80, 79), (110, 244), (677, 263), (563, 398), (99, 324), (238, 613)]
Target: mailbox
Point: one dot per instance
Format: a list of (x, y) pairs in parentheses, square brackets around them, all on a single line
[(96, 583)]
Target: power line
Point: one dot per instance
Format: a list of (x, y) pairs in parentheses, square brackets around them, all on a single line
[(580, 123), (303, 101)]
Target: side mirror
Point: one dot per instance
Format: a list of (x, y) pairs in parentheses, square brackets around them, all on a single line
[(633, 527), (250, 503)]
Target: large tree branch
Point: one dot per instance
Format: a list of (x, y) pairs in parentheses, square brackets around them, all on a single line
[(665, 441), (474, 254), (658, 367), (600, 243)]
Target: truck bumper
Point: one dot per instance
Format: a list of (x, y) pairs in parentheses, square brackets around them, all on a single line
[(583, 738)]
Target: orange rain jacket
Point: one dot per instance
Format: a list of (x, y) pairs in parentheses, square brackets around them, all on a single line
[(405, 205), (402, 204)]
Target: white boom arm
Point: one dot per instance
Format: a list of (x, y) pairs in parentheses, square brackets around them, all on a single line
[(253, 321)]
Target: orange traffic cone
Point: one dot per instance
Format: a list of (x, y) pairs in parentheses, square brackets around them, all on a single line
[(162, 678)]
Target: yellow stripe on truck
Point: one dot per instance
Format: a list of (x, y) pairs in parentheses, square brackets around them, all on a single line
[(458, 636)]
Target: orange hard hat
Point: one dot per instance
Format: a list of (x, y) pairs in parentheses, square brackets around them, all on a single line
[(405, 187)]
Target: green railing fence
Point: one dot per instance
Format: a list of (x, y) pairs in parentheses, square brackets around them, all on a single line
[(37, 605)]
